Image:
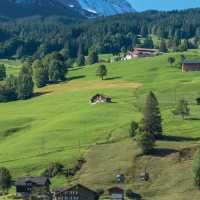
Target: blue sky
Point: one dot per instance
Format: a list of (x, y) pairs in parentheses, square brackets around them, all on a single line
[(141, 5)]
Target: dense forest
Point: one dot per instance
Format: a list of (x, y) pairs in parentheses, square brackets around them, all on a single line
[(37, 36)]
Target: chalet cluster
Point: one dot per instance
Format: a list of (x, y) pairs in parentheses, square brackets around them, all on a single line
[(39, 188), (141, 52)]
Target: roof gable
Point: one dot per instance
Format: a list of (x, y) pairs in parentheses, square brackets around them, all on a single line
[(35, 180), (191, 62), (76, 187)]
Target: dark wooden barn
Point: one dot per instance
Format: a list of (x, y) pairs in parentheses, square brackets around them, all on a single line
[(190, 65), (25, 186), (78, 191)]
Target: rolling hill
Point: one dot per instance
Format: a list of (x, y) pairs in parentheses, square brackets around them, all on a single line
[(59, 124)]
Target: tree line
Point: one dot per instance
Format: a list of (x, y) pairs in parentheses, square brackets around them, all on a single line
[(39, 36)]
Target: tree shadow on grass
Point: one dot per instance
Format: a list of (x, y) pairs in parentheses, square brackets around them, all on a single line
[(192, 118), (113, 78), (171, 138), (75, 68), (75, 77), (162, 152), (37, 94), (135, 196)]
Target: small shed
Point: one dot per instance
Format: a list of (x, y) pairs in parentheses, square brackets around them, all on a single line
[(120, 178), (190, 65), (116, 193), (78, 191), (25, 185), (144, 176), (100, 98)]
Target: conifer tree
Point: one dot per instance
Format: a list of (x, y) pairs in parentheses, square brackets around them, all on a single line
[(196, 169), (5, 179), (2, 72), (92, 58), (163, 47), (40, 73), (24, 85), (146, 142), (101, 71), (171, 60), (80, 60), (152, 120)]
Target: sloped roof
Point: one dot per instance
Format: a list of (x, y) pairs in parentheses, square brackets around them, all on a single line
[(102, 95), (75, 187), (115, 189), (145, 49), (191, 62), (36, 180)]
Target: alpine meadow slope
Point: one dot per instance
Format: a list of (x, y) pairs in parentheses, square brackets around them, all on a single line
[(60, 125)]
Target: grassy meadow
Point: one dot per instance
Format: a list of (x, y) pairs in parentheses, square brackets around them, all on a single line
[(59, 124)]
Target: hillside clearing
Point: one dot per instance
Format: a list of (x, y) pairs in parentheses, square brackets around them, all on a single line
[(59, 124), (86, 85)]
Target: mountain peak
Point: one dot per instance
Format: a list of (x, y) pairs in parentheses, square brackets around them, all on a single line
[(106, 7), (23, 8)]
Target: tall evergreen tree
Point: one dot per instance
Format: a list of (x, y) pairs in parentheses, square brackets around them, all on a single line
[(80, 60), (5, 179), (101, 71), (163, 46), (146, 142), (11, 86), (24, 85), (57, 71), (152, 120), (40, 73), (196, 169), (2, 72), (92, 58)]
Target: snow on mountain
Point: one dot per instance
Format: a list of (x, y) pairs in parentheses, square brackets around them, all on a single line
[(89, 8), (106, 7), (100, 7)]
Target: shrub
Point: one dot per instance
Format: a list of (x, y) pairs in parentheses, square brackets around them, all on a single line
[(133, 129), (53, 169)]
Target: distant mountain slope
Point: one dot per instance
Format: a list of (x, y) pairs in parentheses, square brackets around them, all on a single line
[(24, 8), (106, 7), (70, 8)]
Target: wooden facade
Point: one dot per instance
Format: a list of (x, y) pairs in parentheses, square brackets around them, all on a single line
[(26, 185), (77, 192), (100, 98), (190, 65), (142, 52), (116, 193)]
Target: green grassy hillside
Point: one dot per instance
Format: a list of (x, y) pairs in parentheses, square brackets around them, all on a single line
[(59, 124)]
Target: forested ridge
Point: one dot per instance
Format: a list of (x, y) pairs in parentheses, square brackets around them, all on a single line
[(39, 36)]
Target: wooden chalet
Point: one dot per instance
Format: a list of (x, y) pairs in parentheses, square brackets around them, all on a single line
[(100, 98), (190, 65), (26, 185), (116, 193), (77, 192), (143, 52)]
